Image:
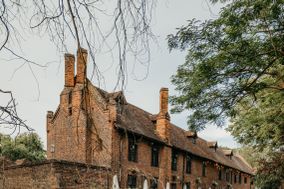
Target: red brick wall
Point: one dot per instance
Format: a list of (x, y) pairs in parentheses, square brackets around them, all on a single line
[(100, 129), (67, 130), (81, 65), (142, 168), (75, 138), (55, 175), (69, 70)]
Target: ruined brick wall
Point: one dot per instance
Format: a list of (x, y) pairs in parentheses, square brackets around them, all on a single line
[(56, 175)]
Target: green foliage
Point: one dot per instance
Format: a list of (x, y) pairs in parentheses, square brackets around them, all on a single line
[(24, 146), (235, 69), (269, 164), (270, 171), (228, 60), (260, 123)]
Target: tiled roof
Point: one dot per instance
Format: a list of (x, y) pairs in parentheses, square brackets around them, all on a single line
[(138, 121), (212, 144)]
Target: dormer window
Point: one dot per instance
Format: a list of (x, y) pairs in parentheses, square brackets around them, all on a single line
[(213, 145), (228, 153), (191, 135)]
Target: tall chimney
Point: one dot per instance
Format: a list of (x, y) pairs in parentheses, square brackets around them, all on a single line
[(69, 70), (164, 96), (163, 118), (82, 56)]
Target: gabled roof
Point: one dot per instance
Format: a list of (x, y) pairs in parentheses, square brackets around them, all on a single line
[(138, 121), (212, 144)]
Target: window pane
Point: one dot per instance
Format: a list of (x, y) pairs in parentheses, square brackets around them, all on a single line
[(131, 181), (228, 175), (154, 183), (220, 174), (155, 156), (132, 150), (204, 168), (174, 160), (188, 164), (173, 186), (187, 185)]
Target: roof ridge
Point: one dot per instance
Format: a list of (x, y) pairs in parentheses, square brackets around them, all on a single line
[(243, 160), (150, 114)]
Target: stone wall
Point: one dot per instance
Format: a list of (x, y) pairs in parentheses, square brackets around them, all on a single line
[(55, 174)]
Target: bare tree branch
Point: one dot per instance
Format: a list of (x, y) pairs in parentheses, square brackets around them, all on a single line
[(78, 21), (9, 116)]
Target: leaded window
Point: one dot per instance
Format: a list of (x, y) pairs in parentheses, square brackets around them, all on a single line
[(154, 183), (188, 164), (132, 150), (174, 160), (220, 174), (132, 181), (204, 168), (155, 156)]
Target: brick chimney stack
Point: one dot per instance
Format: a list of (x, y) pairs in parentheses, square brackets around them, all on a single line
[(164, 96), (163, 118), (69, 70), (82, 56)]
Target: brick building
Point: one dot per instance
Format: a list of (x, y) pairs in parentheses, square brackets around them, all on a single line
[(98, 128)]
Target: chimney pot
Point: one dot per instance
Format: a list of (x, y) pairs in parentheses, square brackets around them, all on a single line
[(82, 55), (69, 70)]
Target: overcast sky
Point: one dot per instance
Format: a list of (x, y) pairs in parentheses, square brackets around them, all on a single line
[(36, 97)]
